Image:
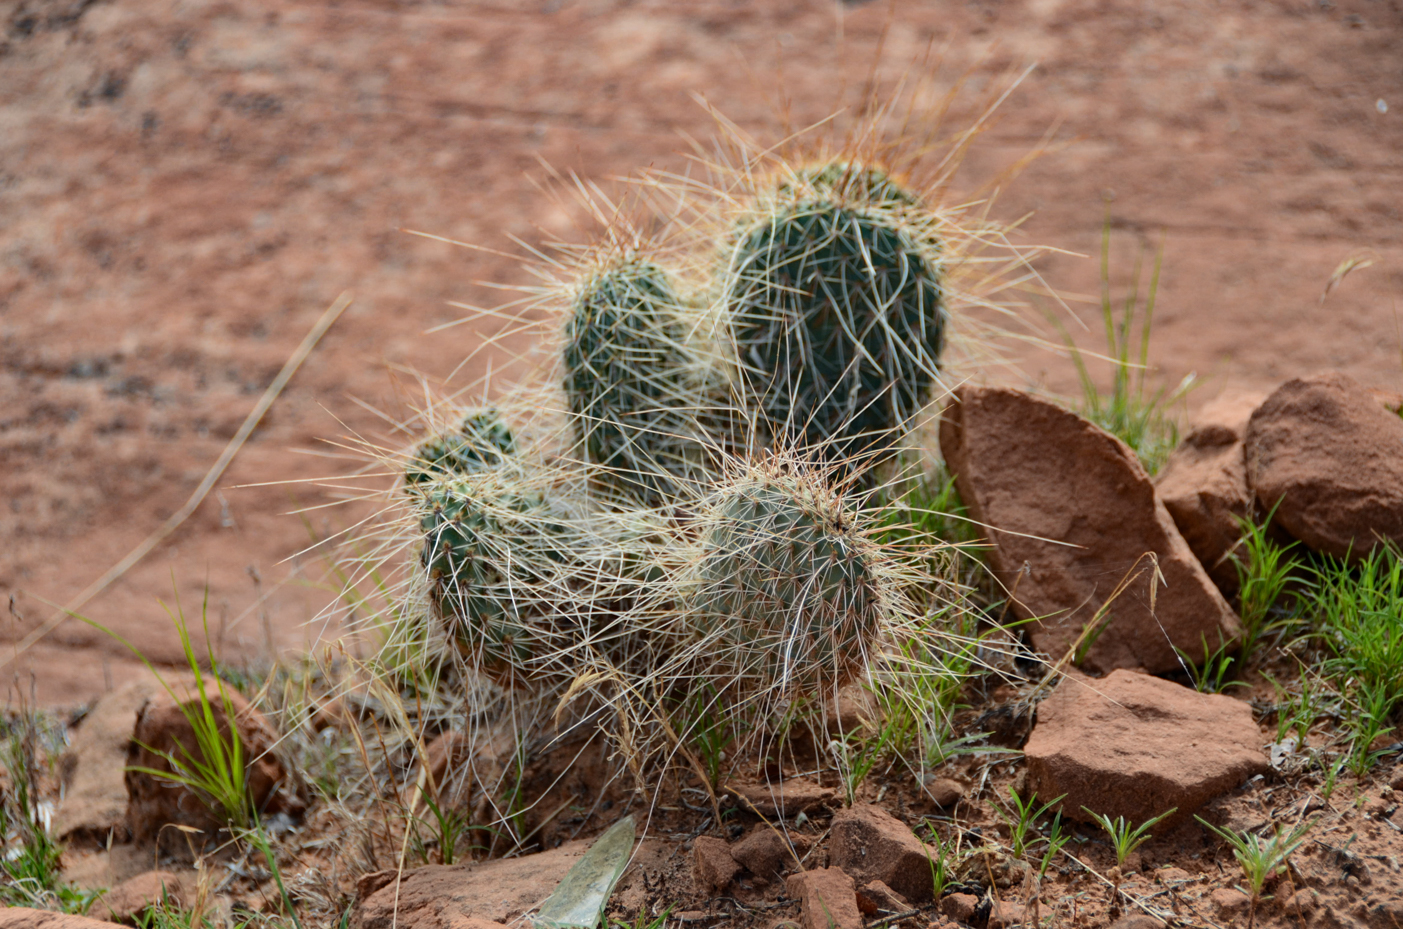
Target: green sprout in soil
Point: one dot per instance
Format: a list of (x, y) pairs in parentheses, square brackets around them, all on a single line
[(1264, 570), (1021, 821), (1126, 837), (1260, 858)]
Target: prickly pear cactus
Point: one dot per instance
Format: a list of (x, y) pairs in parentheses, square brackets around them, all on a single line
[(791, 593), (494, 557), (482, 440), (627, 375), (838, 313)]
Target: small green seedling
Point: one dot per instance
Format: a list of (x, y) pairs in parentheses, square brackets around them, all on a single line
[(1056, 839), (1212, 674), (1261, 858), (1125, 839), (1021, 824)]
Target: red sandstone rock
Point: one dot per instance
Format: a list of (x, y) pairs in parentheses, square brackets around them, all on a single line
[(959, 907), (1072, 503), (1204, 484), (713, 866), (22, 917), (827, 898), (875, 898), (872, 845), (1137, 921), (1005, 914), (446, 897), (1328, 456), (1133, 745), (767, 854), (945, 791), (123, 902), (162, 727), (93, 808), (1230, 902)]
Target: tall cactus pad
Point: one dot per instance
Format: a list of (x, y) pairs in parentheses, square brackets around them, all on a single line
[(784, 584), (625, 374), (482, 440), (494, 558), (839, 322)]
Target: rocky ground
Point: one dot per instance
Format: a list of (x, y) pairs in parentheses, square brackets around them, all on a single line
[(1120, 727)]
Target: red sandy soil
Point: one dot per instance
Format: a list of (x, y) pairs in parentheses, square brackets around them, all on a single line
[(184, 187)]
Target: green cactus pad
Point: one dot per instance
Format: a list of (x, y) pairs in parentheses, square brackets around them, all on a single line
[(785, 584), (626, 377), (482, 440), (493, 556), (839, 323)]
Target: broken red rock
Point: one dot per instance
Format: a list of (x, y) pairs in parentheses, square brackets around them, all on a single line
[(786, 799), (122, 903), (872, 845), (22, 917), (162, 732), (713, 866), (827, 898), (1326, 455), (1133, 745), (767, 854), (1204, 484), (1070, 503)]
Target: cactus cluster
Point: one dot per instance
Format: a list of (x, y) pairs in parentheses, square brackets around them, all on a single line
[(682, 532)]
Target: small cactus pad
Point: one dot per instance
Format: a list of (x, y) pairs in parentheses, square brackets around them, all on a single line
[(493, 557), (482, 440), (625, 375), (839, 322), (785, 583)]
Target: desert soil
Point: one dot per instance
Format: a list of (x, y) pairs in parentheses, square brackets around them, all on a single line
[(185, 186)]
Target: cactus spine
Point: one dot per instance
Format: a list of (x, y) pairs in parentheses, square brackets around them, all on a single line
[(482, 440)]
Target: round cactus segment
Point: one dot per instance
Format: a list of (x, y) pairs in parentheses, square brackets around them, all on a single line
[(785, 585), (626, 376), (482, 440), (839, 321), (853, 183), (494, 559)]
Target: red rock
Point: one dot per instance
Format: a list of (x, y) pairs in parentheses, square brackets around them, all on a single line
[(1073, 503), (875, 898), (959, 907), (1005, 914), (94, 803), (767, 854), (1204, 484), (827, 898), (945, 792), (1137, 921), (22, 917), (1328, 456), (785, 799), (123, 902), (1133, 745), (872, 845), (713, 867), (1230, 902), (162, 727), (445, 896)]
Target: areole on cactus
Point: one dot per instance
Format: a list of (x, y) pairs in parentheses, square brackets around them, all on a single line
[(481, 440)]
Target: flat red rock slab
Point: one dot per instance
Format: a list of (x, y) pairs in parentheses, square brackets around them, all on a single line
[(1135, 746)]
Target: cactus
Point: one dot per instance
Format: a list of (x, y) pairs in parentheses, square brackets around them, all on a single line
[(494, 557), (482, 440), (788, 591), (626, 375), (838, 313)]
